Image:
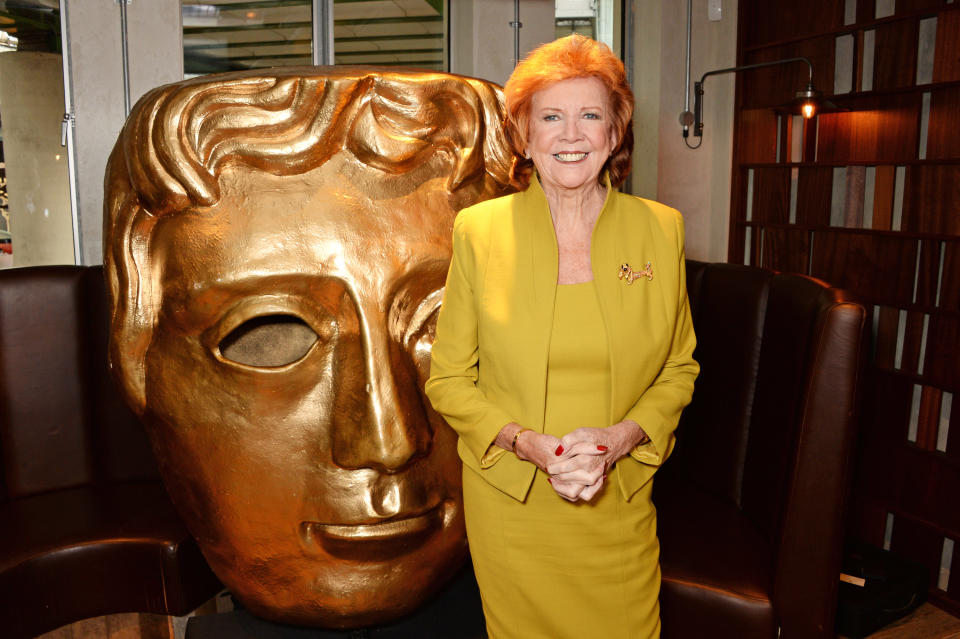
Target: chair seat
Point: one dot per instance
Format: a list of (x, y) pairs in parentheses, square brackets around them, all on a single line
[(90, 551), (714, 562)]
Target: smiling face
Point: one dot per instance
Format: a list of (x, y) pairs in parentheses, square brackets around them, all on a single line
[(570, 134), (284, 391)]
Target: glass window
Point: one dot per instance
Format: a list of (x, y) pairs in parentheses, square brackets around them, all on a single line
[(592, 18), (406, 33), (228, 35), (36, 223)]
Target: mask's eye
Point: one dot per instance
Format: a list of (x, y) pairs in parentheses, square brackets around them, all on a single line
[(268, 341)]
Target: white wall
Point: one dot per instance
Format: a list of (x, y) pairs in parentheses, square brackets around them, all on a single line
[(482, 39), (155, 46), (31, 104), (697, 182)]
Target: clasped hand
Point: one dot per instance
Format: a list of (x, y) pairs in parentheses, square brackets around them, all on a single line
[(578, 463)]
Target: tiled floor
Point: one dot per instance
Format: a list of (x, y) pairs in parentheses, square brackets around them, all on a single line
[(926, 622)]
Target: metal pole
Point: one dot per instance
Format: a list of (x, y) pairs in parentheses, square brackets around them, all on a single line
[(67, 133), (686, 80), (125, 56), (322, 32), (516, 25)]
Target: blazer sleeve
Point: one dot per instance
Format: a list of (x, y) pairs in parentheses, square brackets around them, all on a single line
[(658, 409), (454, 366)]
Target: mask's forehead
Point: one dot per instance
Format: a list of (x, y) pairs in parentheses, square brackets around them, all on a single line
[(317, 224)]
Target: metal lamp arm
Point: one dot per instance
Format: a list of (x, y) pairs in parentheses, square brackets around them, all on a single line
[(698, 86)]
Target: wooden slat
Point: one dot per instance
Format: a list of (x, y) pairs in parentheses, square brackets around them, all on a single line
[(884, 182), (814, 189), (953, 436), (909, 6), (777, 85), (942, 366), (925, 479), (881, 267), (757, 136), (928, 272), (882, 129), (929, 418), (946, 59), (943, 134), (786, 250), (895, 54), (912, 334), (931, 197), (950, 279), (772, 20), (885, 348), (771, 195)]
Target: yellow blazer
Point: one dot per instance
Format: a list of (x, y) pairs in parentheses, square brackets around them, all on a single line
[(489, 361)]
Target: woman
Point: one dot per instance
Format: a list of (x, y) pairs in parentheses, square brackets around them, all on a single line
[(563, 359)]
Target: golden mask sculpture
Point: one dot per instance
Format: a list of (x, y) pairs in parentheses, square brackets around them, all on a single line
[(276, 244)]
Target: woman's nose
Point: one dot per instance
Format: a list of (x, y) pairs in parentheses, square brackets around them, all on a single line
[(571, 129), (378, 418)]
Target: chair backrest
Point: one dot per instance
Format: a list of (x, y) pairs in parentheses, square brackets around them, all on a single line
[(62, 423), (771, 426)]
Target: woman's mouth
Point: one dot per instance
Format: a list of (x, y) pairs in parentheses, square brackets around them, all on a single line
[(570, 157)]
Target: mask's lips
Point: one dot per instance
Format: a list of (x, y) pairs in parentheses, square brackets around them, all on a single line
[(379, 540)]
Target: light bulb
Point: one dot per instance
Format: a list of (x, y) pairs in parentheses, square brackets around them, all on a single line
[(808, 110)]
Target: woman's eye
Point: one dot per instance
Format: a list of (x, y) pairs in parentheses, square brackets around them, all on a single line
[(551, 117), (592, 116), (269, 341)]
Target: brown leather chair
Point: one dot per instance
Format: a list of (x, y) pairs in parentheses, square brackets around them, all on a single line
[(86, 527), (750, 506)]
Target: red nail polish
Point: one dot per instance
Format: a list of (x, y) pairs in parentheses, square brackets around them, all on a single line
[(559, 450), (602, 448), (550, 480)]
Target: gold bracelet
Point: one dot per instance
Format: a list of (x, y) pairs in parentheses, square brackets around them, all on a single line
[(516, 437)]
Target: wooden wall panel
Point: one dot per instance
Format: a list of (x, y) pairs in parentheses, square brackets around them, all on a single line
[(931, 197), (879, 267), (912, 338), (918, 542), (777, 85), (786, 250), (909, 6), (814, 191), (946, 59), (928, 272), (884, 184), (942, 366), (950, 281), (866, 10), (943, 132), (928, 477), (765, 21), (913, 296), (877, 129), (895, 54), (771, 195), (885, 337), (953, 443), (757, 136)]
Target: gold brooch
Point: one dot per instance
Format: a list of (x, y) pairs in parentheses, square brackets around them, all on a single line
[(627, 272)]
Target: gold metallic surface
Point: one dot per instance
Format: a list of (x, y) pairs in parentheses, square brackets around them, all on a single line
[(276, 243)]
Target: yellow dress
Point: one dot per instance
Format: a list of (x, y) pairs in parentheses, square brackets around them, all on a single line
[(552, 569)]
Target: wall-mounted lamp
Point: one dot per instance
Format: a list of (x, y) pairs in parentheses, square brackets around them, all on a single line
[(807, 102)]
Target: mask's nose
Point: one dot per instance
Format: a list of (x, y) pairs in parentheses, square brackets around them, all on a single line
[(378, 419)]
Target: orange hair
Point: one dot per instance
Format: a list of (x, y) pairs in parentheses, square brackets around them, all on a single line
[(573, 56)]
